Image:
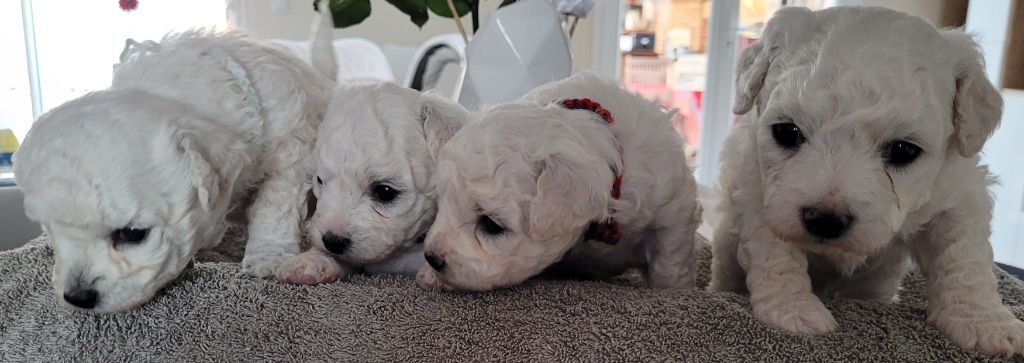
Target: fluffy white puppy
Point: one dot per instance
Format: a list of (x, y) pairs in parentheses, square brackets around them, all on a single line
[(859, 154), (520, 187), (131, 181), (374, 183), (374, 176)]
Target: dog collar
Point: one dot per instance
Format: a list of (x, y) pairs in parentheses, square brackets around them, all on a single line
[(134, 49), (251, 97), (607, 231)]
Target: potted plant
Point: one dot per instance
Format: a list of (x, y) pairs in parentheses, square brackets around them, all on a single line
[(524, 43), (351, 12)]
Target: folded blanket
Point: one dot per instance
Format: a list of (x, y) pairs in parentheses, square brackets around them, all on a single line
[(215, 313)]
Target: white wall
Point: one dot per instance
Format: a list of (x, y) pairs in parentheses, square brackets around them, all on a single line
[(1003, 155), (386, 25), (989, 21)]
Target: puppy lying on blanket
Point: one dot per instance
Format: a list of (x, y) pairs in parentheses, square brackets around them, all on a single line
[(580, 176), (374, 176), (131, 181), (374, 183), (859, 154)]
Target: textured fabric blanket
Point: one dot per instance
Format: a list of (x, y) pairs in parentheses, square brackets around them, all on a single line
[(214, 313)]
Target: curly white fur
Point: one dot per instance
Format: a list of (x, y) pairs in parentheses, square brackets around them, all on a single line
[(373, 135), (854, 80), (544, 173), (173, 146)]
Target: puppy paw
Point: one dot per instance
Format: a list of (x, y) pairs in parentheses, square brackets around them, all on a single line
[(262, 266), (805, 316), (1003, 337), (427, 279), (310, 268)]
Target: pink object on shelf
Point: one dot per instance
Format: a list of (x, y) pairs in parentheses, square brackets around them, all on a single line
[(688, 104)]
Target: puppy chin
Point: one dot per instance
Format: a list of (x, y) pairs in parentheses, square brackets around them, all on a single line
[(121, 306), (357, 259), (429, 279), (394, 249)]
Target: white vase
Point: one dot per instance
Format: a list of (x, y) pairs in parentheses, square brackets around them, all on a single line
[(519, 47)]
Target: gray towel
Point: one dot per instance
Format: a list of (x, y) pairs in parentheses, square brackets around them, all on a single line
[(213, 313)]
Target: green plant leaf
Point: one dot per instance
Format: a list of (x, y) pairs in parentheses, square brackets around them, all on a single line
[(507, 2), (440, 7), (416, 9), (347, 13)]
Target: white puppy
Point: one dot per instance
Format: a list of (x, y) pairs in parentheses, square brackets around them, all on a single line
[(521, 189), (374, 183), (131, 181), (858, 155)]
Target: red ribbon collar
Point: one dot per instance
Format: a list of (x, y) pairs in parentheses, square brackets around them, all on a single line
[(606, 231)]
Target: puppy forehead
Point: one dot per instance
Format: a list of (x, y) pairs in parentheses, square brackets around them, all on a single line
[(499, 189), (88, 202), (506, 131), (862, 60), (870, 126), (909, 98), (856, 79), (492, 197), (99, 181), (63, 231), (482, 154), (370, 126)]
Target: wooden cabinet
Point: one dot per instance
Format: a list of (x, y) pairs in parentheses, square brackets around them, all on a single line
[(1013, 62)]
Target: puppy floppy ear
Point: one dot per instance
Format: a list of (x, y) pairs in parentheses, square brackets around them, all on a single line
[(213, 159), (441, 120), (202, 175), (787, 29), (751, 70), (977, 104), (571, 193)]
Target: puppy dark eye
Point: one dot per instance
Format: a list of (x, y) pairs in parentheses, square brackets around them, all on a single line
[(383, 193), (788, 135), (900, 153), (129, 236), (489, 226), (319, 181)]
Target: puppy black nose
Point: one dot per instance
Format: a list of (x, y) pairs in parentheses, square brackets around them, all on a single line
[(435, 262), (335, 244), (825, 223), (83, 298)]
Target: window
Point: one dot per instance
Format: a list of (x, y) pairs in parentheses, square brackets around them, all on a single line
[(74, 45), (15, 96), (665, 53)]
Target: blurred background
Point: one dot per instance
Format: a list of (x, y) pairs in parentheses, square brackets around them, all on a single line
[(679, 53)]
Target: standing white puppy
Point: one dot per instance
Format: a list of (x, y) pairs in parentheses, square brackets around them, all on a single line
[(131, 181), (859, 154), (580, 176)]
